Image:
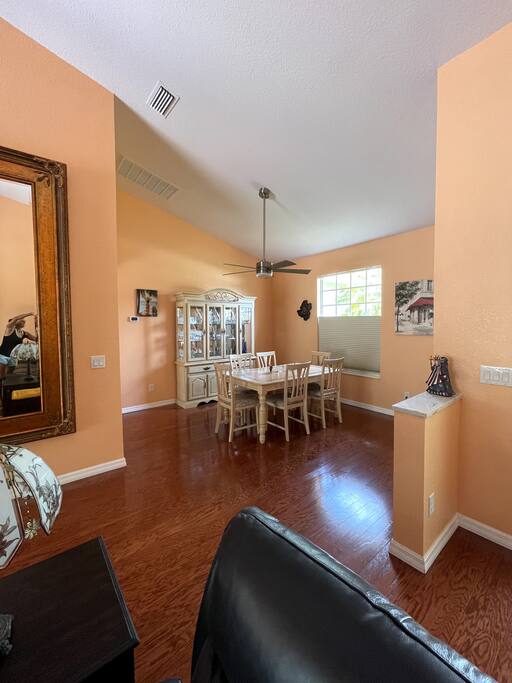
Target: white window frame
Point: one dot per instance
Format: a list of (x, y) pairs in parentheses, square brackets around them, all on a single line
[(321, 291)]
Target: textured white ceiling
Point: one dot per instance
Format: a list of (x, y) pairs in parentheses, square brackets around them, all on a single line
[(330, 103)]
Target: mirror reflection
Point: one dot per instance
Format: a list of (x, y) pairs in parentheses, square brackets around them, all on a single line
[(20, 383)]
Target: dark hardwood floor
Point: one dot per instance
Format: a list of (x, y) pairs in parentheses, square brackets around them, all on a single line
[(162, 517)]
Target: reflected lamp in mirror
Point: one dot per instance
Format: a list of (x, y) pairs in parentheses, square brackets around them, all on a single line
[(29, 354), (30, 498)]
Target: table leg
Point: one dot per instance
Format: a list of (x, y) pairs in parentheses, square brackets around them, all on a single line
[(262, 429)]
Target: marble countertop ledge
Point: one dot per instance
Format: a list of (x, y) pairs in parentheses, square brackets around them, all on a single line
[(425, 404)]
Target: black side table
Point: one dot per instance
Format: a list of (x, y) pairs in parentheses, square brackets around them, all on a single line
[(71, 622), (25, 405)]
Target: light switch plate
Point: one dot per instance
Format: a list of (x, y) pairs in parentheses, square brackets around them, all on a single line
[(490, 374), (97, 362)]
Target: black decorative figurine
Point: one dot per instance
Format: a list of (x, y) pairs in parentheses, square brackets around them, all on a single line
[(438, 382), (304, 311)]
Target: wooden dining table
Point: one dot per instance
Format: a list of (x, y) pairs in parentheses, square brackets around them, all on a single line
[(263, 382)]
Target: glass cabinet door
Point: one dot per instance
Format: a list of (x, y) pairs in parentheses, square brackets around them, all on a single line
[(246, 324), (214, 331), (180, 333), (230, 330), (196, 332)]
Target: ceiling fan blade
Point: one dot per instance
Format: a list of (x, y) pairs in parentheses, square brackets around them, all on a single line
[(237, 272), (295, 271), (239, 265), (282, 264)]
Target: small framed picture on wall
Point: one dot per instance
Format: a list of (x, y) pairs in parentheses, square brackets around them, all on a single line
[(147, 302), (414, 307)]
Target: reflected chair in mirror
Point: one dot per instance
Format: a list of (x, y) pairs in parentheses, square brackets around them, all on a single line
[(293, 397), (318, 357), (231, 401), (241, 361), (329, 389), (266, 359)]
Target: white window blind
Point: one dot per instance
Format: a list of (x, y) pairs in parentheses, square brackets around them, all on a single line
[(357, 339)]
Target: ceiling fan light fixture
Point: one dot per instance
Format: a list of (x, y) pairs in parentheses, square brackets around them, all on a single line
[(264, 269)]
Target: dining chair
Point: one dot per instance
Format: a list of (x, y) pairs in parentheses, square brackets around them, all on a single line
[(233, 400), (266, 359), (329, 389), (317, 357), (241, 361), (294, 395)]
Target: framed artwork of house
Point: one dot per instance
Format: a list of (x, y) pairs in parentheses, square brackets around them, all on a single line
[(414, 307), (147, 302)]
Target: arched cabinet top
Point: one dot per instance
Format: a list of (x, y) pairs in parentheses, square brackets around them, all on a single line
[(214, 296)]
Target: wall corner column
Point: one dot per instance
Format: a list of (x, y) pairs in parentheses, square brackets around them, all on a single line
[(426, 454)]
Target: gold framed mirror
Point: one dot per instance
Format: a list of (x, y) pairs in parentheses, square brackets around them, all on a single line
[(36, 358)]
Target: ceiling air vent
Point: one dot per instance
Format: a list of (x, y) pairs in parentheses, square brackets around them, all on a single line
[(162, 100), (141, 176)]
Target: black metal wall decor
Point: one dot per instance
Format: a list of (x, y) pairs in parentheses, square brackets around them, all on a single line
[(438, 382), (304, 311)]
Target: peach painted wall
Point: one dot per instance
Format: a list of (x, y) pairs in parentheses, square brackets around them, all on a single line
[(404, 360), (426, 451), (159, 251), (441, 475), (408, 481), (473, 272), (17, 271), (50, 109)]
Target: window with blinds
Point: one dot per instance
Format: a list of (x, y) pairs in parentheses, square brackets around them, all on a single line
[(349, 320)]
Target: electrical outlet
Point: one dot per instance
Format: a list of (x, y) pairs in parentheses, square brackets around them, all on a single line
[(407, 394), (97, 362), (431, 504), (151, 387)]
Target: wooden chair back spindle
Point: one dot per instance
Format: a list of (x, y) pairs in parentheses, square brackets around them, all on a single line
[(222, 373), (240, 361), (332, 374), (296, 382), (266, 358), (318, 357)]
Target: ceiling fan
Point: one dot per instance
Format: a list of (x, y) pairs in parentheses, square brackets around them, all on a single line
[(266, 268)]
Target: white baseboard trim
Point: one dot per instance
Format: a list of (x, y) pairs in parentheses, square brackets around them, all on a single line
[(172, 401), (406, 555), (443, 538), (91, 471), (488, 532), (423, 562), (147, 406), (367, 406)]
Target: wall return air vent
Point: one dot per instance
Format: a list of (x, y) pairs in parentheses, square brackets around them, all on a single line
[(162, 100), (141, 176)]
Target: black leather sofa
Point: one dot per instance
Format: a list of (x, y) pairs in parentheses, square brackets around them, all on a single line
[(278, 609)]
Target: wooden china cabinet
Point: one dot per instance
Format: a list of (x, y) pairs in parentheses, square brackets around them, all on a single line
[(209, 327)]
